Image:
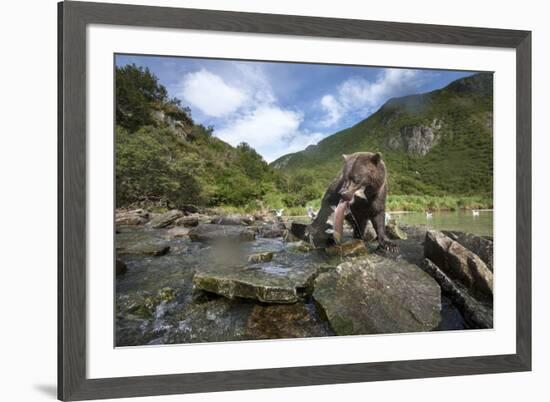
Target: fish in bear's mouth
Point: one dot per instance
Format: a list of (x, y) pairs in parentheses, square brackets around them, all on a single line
[(340, 213)]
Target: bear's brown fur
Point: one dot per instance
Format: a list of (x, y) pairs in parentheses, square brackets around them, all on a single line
[(362, 182)]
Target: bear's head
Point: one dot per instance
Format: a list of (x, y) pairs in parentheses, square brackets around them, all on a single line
[(363, 175)]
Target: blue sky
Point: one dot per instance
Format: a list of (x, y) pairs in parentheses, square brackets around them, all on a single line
[(279, 108)]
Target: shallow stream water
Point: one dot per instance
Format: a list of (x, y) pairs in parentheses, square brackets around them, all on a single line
[(463, 221), (156, 302)]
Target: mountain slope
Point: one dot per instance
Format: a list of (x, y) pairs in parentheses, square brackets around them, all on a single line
[(438, 143), (164, 159)]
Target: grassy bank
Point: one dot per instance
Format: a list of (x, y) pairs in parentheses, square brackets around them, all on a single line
[(418, 203), (411, 203)]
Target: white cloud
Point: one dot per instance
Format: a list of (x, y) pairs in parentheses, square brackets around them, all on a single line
[(333, 109), (243, 106), (211, 94), (360, 95), (270, 130)]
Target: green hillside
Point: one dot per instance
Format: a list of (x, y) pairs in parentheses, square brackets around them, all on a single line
[(165, 160), (435, 145), (438, 148)]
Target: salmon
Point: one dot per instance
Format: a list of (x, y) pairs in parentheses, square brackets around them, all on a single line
[(339, 214)]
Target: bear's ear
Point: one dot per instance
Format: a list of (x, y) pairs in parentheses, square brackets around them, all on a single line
[(377, 158)]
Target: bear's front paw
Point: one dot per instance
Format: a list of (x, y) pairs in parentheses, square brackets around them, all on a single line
[(388, 247)]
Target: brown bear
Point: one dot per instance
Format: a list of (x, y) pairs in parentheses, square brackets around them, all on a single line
[(361, 187)]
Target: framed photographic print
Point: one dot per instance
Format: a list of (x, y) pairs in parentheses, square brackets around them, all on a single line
[(255, 201)]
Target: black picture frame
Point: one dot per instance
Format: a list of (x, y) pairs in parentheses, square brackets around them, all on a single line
[(73, 18)]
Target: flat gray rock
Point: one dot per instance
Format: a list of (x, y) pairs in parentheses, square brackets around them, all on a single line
[(377, 295), (271, 282), (152, 248), (209, 233), (165, 220)]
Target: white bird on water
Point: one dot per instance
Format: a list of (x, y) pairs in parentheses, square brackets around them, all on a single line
[(429, 215), (279, 213), (475, 212)]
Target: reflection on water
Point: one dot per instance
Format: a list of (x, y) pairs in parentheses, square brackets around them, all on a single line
[(465, 221)]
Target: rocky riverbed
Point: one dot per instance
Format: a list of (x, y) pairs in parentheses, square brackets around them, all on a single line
[(190, 276)]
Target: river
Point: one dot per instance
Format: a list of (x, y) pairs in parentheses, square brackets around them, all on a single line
[(464, 221)]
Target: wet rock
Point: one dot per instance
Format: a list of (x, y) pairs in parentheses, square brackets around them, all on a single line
[(130, 331), (260, 257), (302, 247), (276, 321), (120, 267), (190, 209), (272, 231), (166, 220), (272, 283), (151, 248), (459, 264), (187, 221), (167, 294), (481, 246), (233, 220), (133, 217), (217, 320), (352, 248), (177, 232), (220, 233), (394, 232), (143, 305), (376, 295), (475, 313)]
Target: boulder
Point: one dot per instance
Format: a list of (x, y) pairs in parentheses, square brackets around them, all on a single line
[(459, 263), (233, 220), (190, 209), (260, 257), (394, 232), (217, 320), (352, 248), (377, 295), (209, 233), (151, 248), (302, 247), (272, 283), (177, 232), (187, 221), (272, 231), (476, 314), (481, 246), (276, 321), (166, 220), (133, 217)]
